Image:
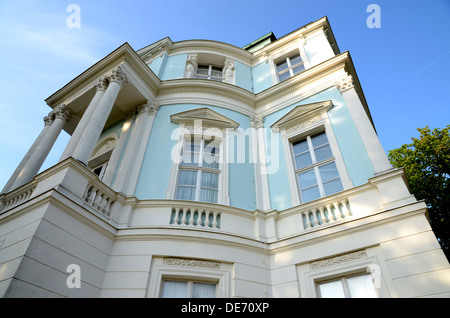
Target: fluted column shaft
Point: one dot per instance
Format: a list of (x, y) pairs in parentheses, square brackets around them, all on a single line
[(91, 134), (81, 127)]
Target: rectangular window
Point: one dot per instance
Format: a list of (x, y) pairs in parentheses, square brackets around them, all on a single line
[(199, 171), (188, 289), (289, 67), (316, 171), (209, 72), (348, 287), (100, 170)]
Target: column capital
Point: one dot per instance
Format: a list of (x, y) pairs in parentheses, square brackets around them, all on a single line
[(63, 112), (148, 107), (345, 83), (48, 120), (101, 84), (256, 121), (118, 75)]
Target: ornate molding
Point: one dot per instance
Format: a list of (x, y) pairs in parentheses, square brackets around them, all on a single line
[(191, 262), (338, 260), (256, 121), (148, 107)]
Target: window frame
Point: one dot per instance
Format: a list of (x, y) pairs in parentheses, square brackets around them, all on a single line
[(200, 170), (290, 67), (315, 165), (189, 286), (299, 132), (189, 132), (344, 282), (209, 76)]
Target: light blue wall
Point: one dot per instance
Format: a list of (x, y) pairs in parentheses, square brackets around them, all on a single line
[(155, 173), (173, 67), (243, 76), (356, 159), (158, 64), (262, 77)]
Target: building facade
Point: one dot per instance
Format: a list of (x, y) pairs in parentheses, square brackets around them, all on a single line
[(200, 169)]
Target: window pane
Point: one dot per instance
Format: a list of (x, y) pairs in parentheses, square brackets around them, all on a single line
[(319, 139), (208, 195), (203, 69), (201, 290), (188, 177), (323, 152), (282, 66), (295, 59), (298, 69), (174, 289), (210, 180), (303, 160), (300, 146), (332, 187), (186, 193), (211, 155), (310, 194), (361, 287), (332, 290), (328, 172), (307, 179), (284, 76)]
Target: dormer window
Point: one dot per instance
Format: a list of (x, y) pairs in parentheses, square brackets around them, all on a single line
[(289, 66), (209, 72)]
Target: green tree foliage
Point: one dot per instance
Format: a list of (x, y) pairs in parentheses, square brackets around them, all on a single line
[(427, 167)]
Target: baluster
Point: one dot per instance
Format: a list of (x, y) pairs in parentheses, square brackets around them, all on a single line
[(315, 219), (199, 217), (103, 203), (330, 214), (323, 219), (207, 218), (108, 207), (183, 218), (97, 200), (308, 219), (214, 223), (337, 211), (176, 219), (91, 196), (345, 209), (191, 218)]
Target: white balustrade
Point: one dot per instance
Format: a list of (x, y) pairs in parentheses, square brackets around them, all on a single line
[(195, 217), (98, 200), (326, 214), (17, 196)]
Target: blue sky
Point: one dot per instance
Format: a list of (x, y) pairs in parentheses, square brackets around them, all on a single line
[(403, 66)]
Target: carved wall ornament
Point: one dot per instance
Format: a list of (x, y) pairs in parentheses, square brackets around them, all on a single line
[(191, 262), (345, 83), (191, 66), (228, 71), (338, 260)]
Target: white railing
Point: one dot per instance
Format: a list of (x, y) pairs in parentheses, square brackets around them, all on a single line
[(326, 213), (17, 196), (98, 199), (194, 217)]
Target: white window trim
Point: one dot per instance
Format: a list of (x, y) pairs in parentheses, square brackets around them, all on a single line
[(309, 278), (209, 76), (223, 196), (288, 136), (160, 272), (287, 51)]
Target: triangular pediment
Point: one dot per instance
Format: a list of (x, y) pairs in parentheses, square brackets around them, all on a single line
[(208, 118), (302, 113)]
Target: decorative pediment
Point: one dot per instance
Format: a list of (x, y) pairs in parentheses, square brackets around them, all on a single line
[(303, 114), (208, 118)]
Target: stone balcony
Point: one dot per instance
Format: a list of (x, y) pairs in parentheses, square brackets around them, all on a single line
[(71, 180)]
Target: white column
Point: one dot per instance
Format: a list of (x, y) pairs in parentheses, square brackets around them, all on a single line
[(91, 134), (365, 128), (61, 115), (81, 127), (117, 152), (130, 167), (259, 156), (48, 121)]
